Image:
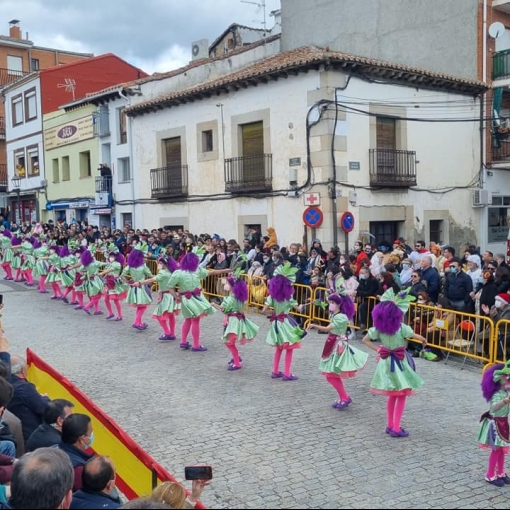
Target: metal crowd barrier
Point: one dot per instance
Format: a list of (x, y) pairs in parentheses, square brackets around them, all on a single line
[(466, 335)]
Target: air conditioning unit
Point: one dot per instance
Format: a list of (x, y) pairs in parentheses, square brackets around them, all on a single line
[(200, 49), (481, 197), (44, 183)]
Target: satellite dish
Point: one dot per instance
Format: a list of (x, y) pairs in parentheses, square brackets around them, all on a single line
[(496, 30)]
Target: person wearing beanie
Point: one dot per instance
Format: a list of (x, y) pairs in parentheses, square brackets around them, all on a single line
[(115, 288), (493, 434), (284, 332), (237, 328), (7, 254), (394, 375), (137, 296), (339, 360), (194, 305), (167, 309), (41, 268)]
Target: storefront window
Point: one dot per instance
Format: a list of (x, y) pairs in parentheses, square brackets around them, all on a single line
[(498, 224)]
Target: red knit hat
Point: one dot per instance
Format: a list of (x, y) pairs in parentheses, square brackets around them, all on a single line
[(504, 297)]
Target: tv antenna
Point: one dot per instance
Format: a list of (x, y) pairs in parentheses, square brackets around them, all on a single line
[(69, 85), (260, 5)]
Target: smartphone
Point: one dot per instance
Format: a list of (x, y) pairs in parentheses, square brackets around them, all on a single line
[(198, 473), (1, 299)]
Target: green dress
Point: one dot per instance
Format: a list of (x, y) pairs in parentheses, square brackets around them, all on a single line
[(236, 322), (284, 332), (54, 274), (138, 295), (115, 285), (5, 246), (17, 261), (91, 283), (28, 251), (166, 302), (68, 275), (41, 266), (489, 434), (339, 358), (393, 375), (193, 302)]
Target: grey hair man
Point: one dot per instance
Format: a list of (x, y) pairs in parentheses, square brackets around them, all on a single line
[(42, 479)]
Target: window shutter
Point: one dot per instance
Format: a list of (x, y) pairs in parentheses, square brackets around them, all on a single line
[(253, 139), (173, 151), (386, 133)]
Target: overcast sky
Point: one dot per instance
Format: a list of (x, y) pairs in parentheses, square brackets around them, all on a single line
[(155, 35)]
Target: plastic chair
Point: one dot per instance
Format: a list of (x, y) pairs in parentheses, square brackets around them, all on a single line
[(462, 344)]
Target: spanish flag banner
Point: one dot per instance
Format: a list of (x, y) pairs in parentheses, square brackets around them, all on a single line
[(137, 472)]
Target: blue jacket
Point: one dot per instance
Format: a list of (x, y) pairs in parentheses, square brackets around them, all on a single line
[(44, 435), (27, 404), (430, 278), (78, 459), (86, 499)]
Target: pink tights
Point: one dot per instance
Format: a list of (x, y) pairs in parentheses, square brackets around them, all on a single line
[(395, 410), (288, 361), (194, 325), (108, 303), (7, 269), (167, 323), (94, 302), (338, 384), (27, 274), (231, 346), (140, 310), (42, 281), (79, 297), (56, 289), (73, 295), (496, 463)]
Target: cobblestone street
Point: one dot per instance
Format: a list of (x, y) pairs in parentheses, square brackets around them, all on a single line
[(272, 444)]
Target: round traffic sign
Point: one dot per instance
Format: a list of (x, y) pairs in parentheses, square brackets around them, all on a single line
[(313, 217), (347, 222)]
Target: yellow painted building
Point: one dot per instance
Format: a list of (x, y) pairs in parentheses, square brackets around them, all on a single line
[(71, 156)]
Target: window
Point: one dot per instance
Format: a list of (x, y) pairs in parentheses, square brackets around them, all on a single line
[(386, 133), (384, 231), (30, 105), (253, 169), (436, 231), (172, 151), (101, 120), (498, 224), (56, 174), (122, 126), (66, 171), (207, 141), (85, 165), (17, 110), (14, 65), (34, 64), (124, 170), (127, 220), (33, 161), (19, 163)]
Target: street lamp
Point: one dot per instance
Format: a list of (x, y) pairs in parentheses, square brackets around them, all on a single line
[(16, 183)]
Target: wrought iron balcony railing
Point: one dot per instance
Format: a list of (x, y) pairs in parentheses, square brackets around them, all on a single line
[(8, 76), (392, 168), (248, 174), (170, 181)]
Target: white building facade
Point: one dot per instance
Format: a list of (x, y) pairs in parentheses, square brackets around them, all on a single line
[(247, 149), (24, 145)]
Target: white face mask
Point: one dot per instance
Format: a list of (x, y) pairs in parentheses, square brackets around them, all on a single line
[(161, 267), (111, 259), (342, 261), (498, 304)]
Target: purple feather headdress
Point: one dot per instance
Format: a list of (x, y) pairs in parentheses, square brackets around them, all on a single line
[(387, 317), (169, 262), (280, 288), (120, 259), (190, 262), (36, 243), (7, 233), (135, 258), (489, 387), (64, 251), (239, 289), (15, 241), (86, 258), (346, 304), (54, 247)]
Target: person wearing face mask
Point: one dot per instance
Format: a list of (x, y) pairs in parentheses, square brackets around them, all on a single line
[(485, 294), (276, 261), (405, 274), (457, 286), (167, 309), (115, 288), (493, 434), (500, 311), (339, 360), (77, 438)]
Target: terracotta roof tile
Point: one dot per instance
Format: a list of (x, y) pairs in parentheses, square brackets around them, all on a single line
[(310, 55)]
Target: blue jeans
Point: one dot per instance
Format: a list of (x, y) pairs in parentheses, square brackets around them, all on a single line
[(8, 448)]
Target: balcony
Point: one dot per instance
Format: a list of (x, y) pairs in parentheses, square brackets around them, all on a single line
[(2, 128), (500, 148), (392, 168), (501, 64), (3, 176), (249, 174), (169, 182), (8, 76), (501, 5)]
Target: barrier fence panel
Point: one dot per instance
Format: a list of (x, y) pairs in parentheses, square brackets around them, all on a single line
[(501, 341), (303, 294), (153, 267), (451, 332), (258, 291)]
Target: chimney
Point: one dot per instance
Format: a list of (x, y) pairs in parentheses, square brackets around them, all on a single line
[(14, 29)]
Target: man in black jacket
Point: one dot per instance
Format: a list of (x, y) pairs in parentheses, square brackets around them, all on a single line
[(49, 433), (366, 292), (457, 285)]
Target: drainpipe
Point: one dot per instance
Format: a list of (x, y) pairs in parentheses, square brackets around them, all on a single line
[(131, 161), (483, 134)]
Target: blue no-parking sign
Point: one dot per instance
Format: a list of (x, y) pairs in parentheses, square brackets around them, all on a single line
[(313, 217), (347, 222)]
